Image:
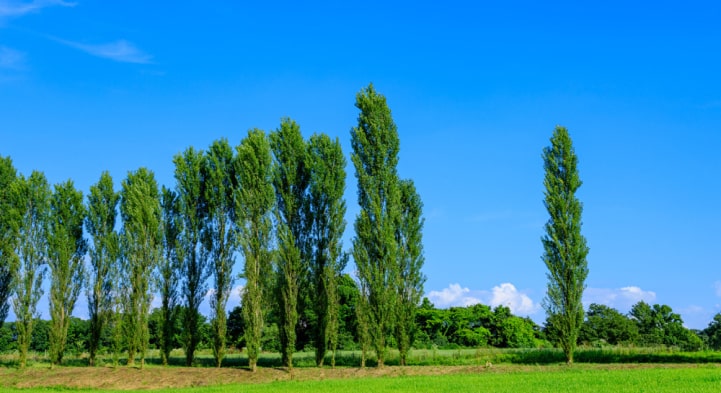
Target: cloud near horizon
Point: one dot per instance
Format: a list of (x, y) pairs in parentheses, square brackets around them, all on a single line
[(504, 294), (121, 51), (620, 298)]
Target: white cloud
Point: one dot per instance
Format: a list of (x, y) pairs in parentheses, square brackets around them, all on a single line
[(504, 294), (620, 298), (507, 295), (452, 296), (120, 51), (11, 59), (717, 287), (16, 8)]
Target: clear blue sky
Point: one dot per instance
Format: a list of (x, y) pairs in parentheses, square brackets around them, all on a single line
[(475, 90)]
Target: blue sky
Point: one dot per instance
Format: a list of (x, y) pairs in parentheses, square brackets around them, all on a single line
[(476, 89)]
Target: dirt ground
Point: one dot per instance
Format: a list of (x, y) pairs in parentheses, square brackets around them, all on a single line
[(155, 377)]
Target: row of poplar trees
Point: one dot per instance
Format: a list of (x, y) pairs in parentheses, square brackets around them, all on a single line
[(276, 200)]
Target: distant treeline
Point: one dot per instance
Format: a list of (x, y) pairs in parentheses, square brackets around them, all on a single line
[(475, 326)]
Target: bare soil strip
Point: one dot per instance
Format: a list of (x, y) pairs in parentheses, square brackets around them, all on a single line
[(155, 377)]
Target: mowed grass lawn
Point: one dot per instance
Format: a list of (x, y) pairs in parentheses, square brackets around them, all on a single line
[(516, 379)]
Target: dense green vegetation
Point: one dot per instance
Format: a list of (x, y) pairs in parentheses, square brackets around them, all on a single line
[(275, 201)]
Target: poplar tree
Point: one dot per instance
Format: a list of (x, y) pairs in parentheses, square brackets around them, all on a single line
[(192, 208), (141, 241), (220, 237), (168, 276), (564, 247), (104, 253), (31, 198), (9, 227), (409, 236), (327, 214), (290, 180), (375, 250), (254, 204), (66, 253)]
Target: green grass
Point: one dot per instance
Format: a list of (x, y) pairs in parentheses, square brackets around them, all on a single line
[(692, 379)]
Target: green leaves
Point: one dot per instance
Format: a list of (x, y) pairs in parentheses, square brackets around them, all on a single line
[(66, 252), (30, 200), (142, 241), (102, 212), (254, 203), (565, 248)]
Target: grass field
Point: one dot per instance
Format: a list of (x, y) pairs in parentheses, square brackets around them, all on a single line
[(509, 378), (483, 369)]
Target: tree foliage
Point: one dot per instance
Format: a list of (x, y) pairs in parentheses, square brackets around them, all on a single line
[(327, 221), (604, 324), (141, 245), (254, 204), (168, 273), (410, 279), (291, 177), (220, 235), (66, 253), (102, 212), (192, 207), (31, 198), (375, 250), (564, 247), (9, 226)]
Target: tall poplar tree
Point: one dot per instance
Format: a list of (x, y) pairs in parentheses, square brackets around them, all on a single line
[(220, 236), (564, 247), (254, 204), (9, 227), (168, 276), (66, 253), (291, 177), (141, 241), (409, 287), (104, 253), (31, 198), (375, 250), (192, 208), (327, 213)]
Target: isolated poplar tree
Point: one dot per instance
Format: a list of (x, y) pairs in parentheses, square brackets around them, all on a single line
[(192, 208), (375, 250), (9, 226), (66, 257), (409, 287), (31, 198), (254, 204), (220, 236), (141, 244), (169, 268), (564, 247), (291, 177), (327, 213), (102, 211)]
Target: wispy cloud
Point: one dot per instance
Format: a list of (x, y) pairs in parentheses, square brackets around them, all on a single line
[(620, 298), (717, 287), (505, 294), (120, 51), (11, 59), (13, 9)]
